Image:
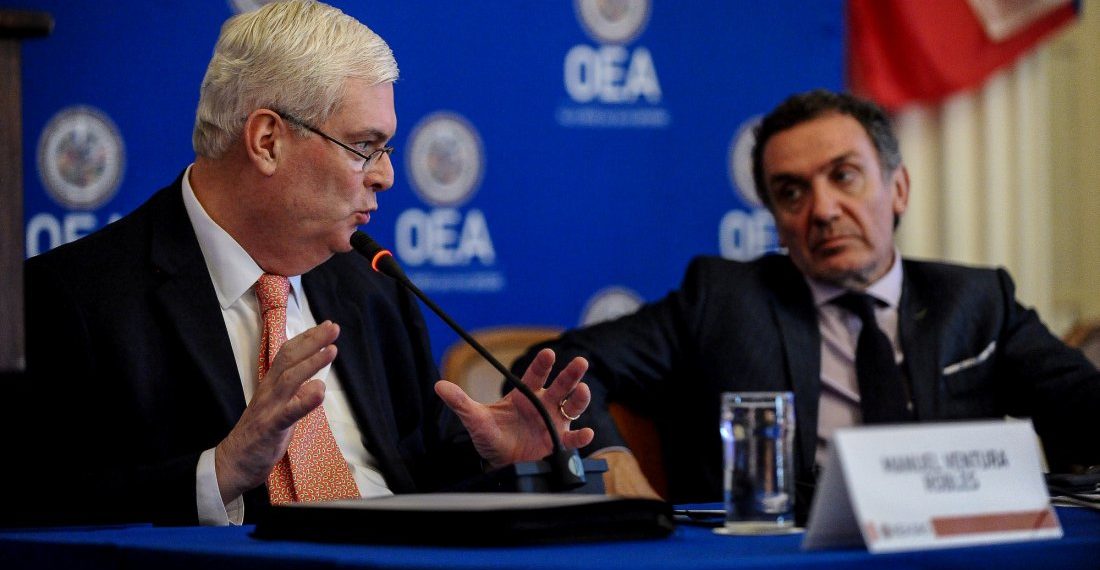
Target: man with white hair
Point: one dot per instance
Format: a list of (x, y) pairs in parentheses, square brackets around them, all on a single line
[(221, 348)]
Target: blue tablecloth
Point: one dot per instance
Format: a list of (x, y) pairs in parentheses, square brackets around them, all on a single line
[(211, 548)]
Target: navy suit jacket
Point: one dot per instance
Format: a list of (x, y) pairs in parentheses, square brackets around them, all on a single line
[(128, 351), (753, 327)]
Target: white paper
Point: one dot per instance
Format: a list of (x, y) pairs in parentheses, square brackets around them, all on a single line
[(932, 486), (835, 525)]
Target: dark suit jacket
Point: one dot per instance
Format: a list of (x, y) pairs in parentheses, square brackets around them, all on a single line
[(752, 326), (133, 376)]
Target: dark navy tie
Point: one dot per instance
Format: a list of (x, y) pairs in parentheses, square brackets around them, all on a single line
[(882, 391)]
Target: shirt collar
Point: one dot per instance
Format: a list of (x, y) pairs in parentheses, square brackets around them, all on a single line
[(231, 269), (887, 289)]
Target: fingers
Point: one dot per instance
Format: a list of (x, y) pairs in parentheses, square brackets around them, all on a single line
[(574, 404), (285, 395), (456, 399), (566, 392), (309, 395), (305, 346), (567, 381), (539, 370), (299, 360), (289, 381), (576, 439)]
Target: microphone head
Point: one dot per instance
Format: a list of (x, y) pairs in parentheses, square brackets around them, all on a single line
[(381, 259)]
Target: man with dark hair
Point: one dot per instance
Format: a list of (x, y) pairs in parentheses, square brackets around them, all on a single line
[(952, 342), (813, 104)]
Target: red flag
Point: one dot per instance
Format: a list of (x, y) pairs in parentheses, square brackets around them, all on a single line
[(903, 51)]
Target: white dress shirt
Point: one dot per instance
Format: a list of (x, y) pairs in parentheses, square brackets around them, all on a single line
[(839, 403), (234, 274)]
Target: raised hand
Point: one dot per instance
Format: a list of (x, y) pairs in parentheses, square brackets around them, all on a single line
[(287, 393), (510, 429)]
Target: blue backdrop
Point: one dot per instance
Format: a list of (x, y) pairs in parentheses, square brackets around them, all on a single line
[(554, 159)]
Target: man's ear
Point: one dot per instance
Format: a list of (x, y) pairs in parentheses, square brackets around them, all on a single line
[(262, 134), (899, 183)]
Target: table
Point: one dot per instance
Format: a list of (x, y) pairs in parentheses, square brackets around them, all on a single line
[(696, 547)]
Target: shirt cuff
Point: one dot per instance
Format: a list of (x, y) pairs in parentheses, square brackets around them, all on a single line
[(611, 448), (212, 511)]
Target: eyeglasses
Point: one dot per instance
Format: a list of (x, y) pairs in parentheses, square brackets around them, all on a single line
[(369, 159)]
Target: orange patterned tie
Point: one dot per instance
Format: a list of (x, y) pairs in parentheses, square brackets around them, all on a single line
[(313, 468)]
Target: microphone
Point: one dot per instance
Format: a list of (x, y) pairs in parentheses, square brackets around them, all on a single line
[(566, 467)]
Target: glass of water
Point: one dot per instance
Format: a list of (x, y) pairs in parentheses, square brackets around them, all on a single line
[(758, 447)]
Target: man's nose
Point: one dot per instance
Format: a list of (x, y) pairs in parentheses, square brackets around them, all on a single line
[(379, 176), (825, 203)]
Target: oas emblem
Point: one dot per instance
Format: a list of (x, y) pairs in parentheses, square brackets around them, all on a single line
[(613, 21), (610, 303), (81, 158), (739, 162), (444, 159)]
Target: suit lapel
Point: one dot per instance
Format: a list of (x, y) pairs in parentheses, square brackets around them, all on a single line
[(794, 312), (362, 378), (918, 343), (187, 296)]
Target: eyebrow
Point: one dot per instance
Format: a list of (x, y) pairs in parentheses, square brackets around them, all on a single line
[(788, 177), (370, 134)]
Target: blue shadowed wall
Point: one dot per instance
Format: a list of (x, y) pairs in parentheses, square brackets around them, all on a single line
[(543, 156)]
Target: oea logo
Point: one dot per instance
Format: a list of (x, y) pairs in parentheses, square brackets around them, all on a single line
[(606, 74), (81, 159), (745, 235), (611, 73), (445, 163)]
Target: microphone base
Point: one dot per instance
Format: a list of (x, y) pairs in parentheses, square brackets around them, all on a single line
[(533, 477)]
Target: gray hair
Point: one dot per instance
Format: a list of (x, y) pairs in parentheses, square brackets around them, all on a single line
[(291, 57)]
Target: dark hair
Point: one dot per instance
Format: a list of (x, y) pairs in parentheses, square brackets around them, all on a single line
[(798, 109)]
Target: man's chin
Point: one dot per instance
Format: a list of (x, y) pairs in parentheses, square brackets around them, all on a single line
[(838, 247), (343, 245), (843, 273)]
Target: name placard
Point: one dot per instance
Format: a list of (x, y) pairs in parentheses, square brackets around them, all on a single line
[(895, 488)]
